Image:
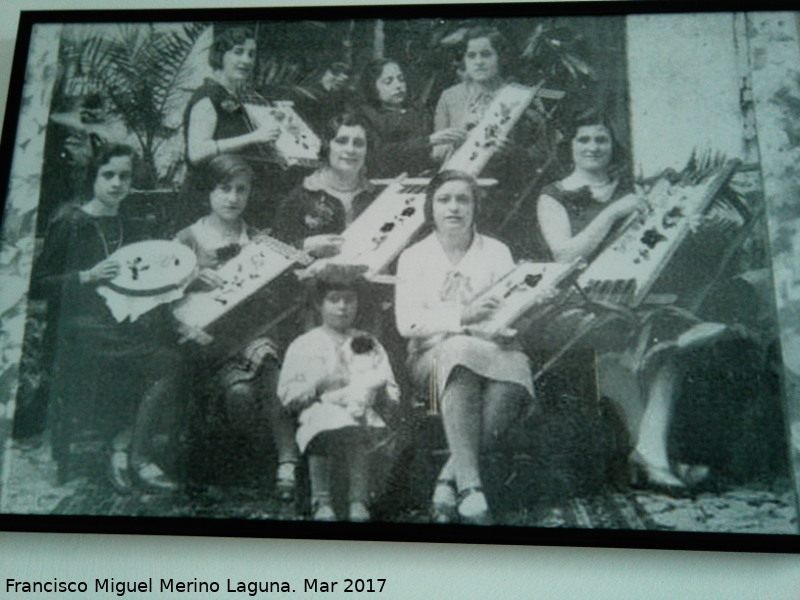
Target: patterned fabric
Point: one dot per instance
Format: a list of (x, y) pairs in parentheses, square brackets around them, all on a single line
[(462, 107), (270, 181), (311, 209), (582, 208), (208, 245)]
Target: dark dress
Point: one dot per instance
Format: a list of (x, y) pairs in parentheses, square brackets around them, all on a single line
[(317, 105), (656, 333), (399, 141), (270, 180), (557, 327), (101, 368), (582, 209), (309, 210)]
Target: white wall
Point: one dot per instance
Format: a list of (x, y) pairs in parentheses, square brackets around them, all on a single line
[(684, 89)]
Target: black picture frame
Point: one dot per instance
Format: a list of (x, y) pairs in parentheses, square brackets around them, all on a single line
[(20, 232)]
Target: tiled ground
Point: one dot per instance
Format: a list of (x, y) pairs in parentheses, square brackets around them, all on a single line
[(31, 488)]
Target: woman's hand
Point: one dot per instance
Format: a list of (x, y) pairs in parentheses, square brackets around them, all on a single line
[(477, 312), (452, 136), (211, 278), (105, 270), (266, 133), (323, 246), (626, 206)]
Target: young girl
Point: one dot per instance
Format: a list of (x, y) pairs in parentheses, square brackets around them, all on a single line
[(121, 376), (247, 381), (337, 378)]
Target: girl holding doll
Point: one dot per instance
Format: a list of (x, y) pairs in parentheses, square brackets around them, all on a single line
[(337, 379)]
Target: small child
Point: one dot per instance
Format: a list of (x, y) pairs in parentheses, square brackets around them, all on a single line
[(336, 377), (247, 381)]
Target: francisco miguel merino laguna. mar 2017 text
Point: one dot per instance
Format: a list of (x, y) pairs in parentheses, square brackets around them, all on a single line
[(145, 586)]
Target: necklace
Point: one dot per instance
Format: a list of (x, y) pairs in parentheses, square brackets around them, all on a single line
[(602, 192), (111, 240)]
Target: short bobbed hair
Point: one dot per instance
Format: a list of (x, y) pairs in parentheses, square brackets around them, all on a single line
[(498, 41), (103, 154), (345, 119), (336, 278), (226, 40), (591, 118), (445, 177), (222, 168), (369, 79)]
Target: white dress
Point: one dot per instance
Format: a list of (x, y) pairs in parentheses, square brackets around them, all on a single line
[(431, 294), (317, 355)]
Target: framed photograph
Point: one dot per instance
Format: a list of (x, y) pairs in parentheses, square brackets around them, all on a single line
[(519, 274)]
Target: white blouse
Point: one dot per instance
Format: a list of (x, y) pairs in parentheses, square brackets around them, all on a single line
[(431, 292), (316, 356)]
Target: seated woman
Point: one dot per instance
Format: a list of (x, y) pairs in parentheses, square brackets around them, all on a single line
[(481, 385), (215, 122), (127, 367), (337, 378), (315, 213), (400, 131), (577, 215), (247, 382)]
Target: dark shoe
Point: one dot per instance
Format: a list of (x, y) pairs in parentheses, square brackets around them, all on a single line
[(645, 475), (151, 478), (444, 502), (119, 472), (473, 508)]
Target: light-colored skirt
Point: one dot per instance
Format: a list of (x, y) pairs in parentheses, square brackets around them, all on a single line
[(430, 368)]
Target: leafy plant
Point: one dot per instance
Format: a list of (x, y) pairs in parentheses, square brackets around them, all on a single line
[(141, 71)]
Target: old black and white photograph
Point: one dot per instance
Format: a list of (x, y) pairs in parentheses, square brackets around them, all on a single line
[(498, 267)]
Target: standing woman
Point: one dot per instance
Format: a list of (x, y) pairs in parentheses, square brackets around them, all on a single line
[(316, 212), (482, 385), (400, 130), (126, 367), (215, 122)]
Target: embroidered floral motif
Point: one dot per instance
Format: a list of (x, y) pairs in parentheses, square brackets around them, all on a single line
[(320, 215), (229, 105)]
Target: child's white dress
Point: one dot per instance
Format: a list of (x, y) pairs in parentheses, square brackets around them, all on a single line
[(363, 365)]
